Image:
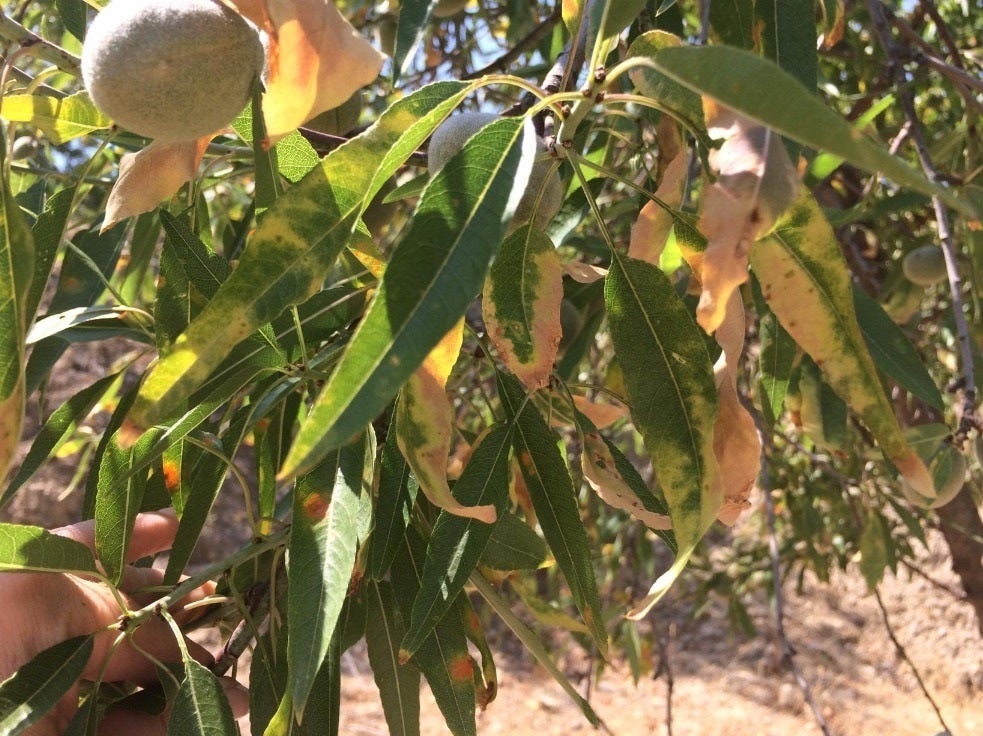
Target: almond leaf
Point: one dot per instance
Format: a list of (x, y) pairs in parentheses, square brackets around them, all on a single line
[(150, 176), (756, 183), (425, 427), (521, 305), (315, 62)]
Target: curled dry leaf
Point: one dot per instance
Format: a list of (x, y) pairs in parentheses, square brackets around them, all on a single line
[(425, 425), (756, 182), (151, 175), (584, 273), (736, 444), (603, 476), (316, 60)]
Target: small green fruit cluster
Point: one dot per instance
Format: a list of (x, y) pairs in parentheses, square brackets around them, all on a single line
[(172, 70), (544, 183)]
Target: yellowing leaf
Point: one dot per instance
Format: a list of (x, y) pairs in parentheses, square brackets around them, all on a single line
[(756, 182), (736, 444), (521, 305), (425, 425), (603, 476), (61, 119), (806, 282), (151, 175), (315, 62)]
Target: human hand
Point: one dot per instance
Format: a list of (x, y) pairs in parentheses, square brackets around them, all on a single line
[(39, 610)]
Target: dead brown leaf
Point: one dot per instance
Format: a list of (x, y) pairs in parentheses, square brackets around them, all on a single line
[(151, 175)]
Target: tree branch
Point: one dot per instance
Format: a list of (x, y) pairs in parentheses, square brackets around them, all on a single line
[(536, 35), (45, 50)]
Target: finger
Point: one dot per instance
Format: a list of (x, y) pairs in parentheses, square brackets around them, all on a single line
[(153, 532), (121, 722), (136, 579)]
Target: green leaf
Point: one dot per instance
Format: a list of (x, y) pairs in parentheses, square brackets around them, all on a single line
[(444, 659), (292, 156), (394, 504), (673, 399), (457, 542), (122, 480), (776, 359), (33, 549), (201, 708), (331, 513), (16, 274), (521, 305), (534, 645), (893, 352), (61, 425), (433, 276), (399, 684), (555, 501), (412, 21), (760, 90), (293, 249), (37, 686), (732, 22), (806, 282), (668, 94), (61, 119), (513, 545), (788, 37), (873, 549), (48, 232)]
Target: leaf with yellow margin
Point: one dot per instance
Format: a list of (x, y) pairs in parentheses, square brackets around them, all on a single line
[(521, 305), (756, 182), (151, 175), (736, 444), (425, 427), (316, 60), (806, 282)]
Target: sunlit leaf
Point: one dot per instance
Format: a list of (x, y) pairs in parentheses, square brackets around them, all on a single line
[(761, 91), (151, 175), (291, 252), (201, 707), (316, 59), (755, 183), (521, 305), (433, 276), (26, 548), (806, 282), (61, 119), (425, 425), (673, 400)]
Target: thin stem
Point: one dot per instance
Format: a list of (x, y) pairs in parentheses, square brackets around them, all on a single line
[(788, 651), (904, 655)]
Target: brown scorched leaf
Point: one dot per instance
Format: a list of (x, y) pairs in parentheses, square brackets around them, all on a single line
[(425, 427), (316, 60), (756, 183), (736, 444), (651, 230), (150, 176)]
